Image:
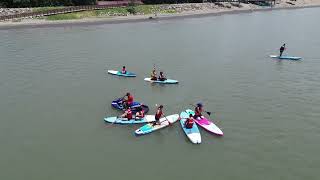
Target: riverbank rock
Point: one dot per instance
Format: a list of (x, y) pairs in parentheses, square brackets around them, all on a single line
[(290, 3), (13, 11), (236, 5)]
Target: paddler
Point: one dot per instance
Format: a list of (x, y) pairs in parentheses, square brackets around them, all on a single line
[(158, 115), (127, 114), (124, 71), (198, 111), (128, 100), (154, 74), (282, 48), (162, 77), (140, 113), (189, 122)]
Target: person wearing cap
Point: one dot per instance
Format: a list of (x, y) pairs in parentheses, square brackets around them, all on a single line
[(198, 111), (158, 115), (128, 100)]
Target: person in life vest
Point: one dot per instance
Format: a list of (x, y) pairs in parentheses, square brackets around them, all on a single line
[(162, 77), (127, 114), (198, 111), (158, 115), (140, 113), (189, 122), (282, 48), (154, 74), (128, 100), (124, 71)]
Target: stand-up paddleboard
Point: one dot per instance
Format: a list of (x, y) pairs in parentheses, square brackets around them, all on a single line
[(149, 128), (206, 124), (167, 81), (119, 120), (119, 73), (193, 133), (135, 106), (286, 57)]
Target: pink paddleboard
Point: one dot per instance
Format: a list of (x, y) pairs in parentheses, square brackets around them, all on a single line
[(207, 124)]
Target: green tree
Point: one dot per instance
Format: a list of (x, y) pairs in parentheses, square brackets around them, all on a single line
[(131, 7)]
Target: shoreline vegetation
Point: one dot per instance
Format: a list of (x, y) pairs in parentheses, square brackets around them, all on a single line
[(140, 13)]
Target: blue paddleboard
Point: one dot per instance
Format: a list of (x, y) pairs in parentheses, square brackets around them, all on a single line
[(286, 57), (118, 120), (118, 73), (193, 133), (167, 81)]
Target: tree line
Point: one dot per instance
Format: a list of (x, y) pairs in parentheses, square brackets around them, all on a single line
[(171, 1), (42, 3)]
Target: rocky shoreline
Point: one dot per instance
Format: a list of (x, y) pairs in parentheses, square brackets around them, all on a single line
[(180, 11), (13, 11), (200, 6), (191, 7)]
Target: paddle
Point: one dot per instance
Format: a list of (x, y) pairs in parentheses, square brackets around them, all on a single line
[(209, 113), (153, 74), (112, 123), (167, 120)]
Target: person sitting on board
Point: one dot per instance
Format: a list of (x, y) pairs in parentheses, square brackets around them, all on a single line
[(189, 122), (154, 74), (198, 111), (140, 113), (128, 100), (282, 48), (124, 71), (162, 77), (127, 114), (158, 115)]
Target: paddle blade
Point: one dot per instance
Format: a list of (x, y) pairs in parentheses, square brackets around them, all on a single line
[(209, 113)]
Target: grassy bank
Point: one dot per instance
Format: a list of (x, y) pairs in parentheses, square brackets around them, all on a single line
[(44, 9), (117, 11)]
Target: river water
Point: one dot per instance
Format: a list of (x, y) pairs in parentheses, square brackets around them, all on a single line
[(55, 93)]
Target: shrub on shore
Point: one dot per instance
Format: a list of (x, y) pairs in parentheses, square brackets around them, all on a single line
[(42, 3)]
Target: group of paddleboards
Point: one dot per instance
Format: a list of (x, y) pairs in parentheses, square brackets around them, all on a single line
[(163, 80), (135, 113), (281, 57), (153, 78)]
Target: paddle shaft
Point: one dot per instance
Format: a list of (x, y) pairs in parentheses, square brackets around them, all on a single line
[(167, 119)]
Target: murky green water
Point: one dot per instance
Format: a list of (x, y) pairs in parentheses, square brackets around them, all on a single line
[(55, 92)]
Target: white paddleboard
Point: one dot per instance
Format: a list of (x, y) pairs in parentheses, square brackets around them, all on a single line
[(149, 128)]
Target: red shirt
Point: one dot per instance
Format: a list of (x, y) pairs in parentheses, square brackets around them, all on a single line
[(129, 114), (141, 114), (130, 99), (189, 123), (159, 114)]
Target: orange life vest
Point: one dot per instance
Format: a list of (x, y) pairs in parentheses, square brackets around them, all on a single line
[(189, 123)]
